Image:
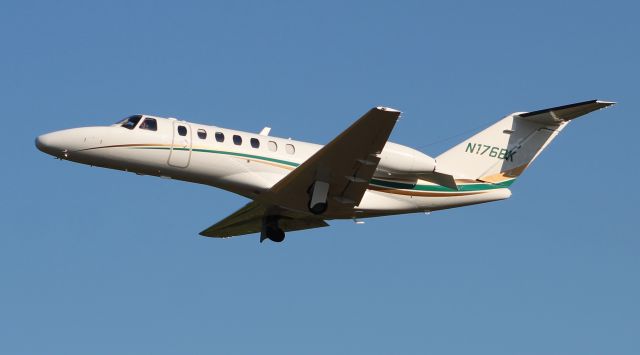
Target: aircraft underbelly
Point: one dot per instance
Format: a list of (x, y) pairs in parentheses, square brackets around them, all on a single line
[(381, 201), (377, 203)]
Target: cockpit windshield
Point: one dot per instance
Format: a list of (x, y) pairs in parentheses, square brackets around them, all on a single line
[(130, 122)]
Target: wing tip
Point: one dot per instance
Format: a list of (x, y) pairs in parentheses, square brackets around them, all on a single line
[(387, 109), (209, 234), (203, 234), (605, 103)]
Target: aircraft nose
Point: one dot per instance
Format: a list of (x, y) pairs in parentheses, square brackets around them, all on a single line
[(42, 142), (69, 142), (52, 143)]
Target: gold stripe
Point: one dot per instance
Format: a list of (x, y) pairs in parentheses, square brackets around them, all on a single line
[(282, 166), (504, 175), (423, 193)]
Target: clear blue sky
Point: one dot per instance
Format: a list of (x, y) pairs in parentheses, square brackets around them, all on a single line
[(94, 261)]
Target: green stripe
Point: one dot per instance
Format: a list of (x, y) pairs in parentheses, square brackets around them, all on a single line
[(377, 182), (285, 162), (462, 187)]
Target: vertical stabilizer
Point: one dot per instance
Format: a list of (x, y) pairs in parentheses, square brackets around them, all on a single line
[(501, 152)]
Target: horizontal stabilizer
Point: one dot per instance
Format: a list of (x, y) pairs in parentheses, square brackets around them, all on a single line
[(557, 115)]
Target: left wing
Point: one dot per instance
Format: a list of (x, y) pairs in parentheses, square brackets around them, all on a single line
[(340, 171), (248, 220)]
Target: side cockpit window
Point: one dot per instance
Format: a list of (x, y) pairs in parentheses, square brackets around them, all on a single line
[(130, 122), (149, 124)]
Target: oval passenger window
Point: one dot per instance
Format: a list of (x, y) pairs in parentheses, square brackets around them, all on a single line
[(273, 146), (290, 149)]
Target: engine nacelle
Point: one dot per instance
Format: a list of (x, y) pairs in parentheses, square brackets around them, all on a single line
[(397, 159)]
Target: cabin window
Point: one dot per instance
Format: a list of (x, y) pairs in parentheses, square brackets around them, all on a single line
[(273, 146), (237, 140), (255, 142), (130, 122), (289, 148), (149, 124), (182, 130), (220, 137), (202, 134)]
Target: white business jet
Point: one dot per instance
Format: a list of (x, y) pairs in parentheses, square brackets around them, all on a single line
[(296, 185)]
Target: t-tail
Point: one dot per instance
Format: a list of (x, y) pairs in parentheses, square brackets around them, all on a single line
[(501, 152)]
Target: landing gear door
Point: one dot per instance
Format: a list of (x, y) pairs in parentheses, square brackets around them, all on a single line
[(180, 154)]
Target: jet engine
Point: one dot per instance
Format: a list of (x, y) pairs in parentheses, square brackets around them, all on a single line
[(397, 159), (402, 162)]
